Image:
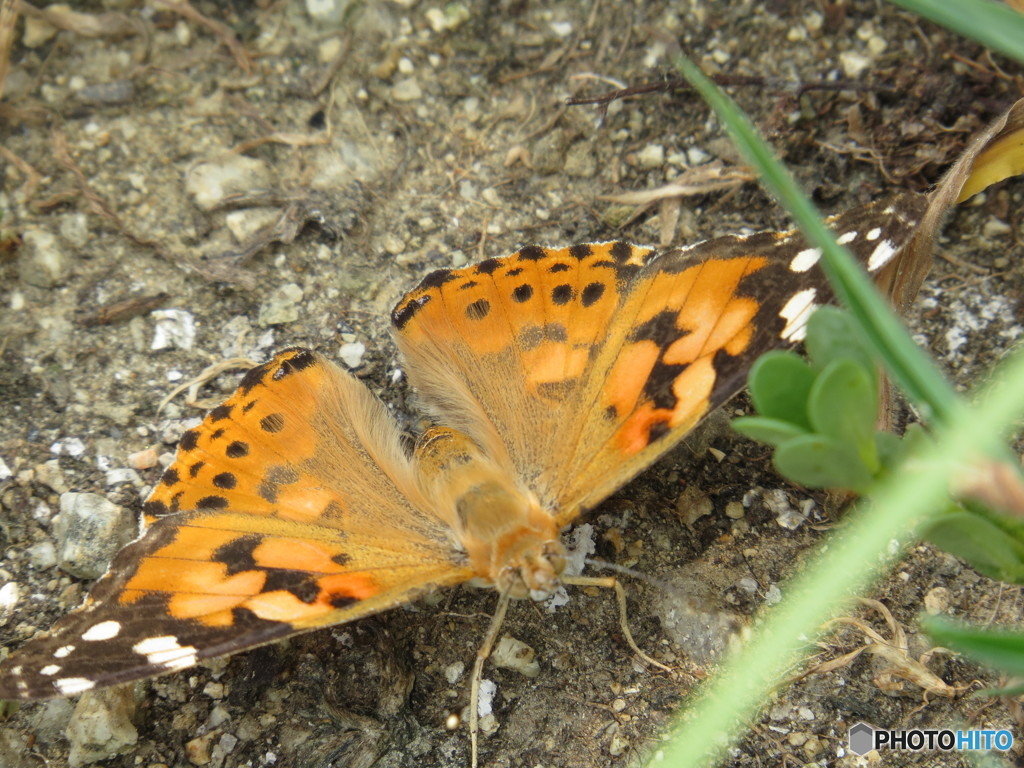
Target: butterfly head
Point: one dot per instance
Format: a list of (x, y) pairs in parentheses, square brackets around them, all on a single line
[(533, 570)]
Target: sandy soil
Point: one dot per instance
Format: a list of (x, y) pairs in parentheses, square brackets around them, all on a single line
[(415, 135)]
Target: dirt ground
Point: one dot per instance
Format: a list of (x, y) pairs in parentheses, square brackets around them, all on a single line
[(408, 136)]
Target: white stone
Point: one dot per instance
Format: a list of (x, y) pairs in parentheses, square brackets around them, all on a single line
[(351, 354), (173, 328)]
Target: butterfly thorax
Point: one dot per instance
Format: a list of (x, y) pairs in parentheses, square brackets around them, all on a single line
[(511, 542)]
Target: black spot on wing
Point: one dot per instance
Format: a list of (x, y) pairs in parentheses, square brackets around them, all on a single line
[(580, 250), (298, 583), (478, 310), (522, 293), (155, 508), (189, 440), (488, 266), (272, 423), (591, 294), (237, 450), (661, 329), (562, 294), (222, 411), (237, 554), (211, 502), (532, 253)]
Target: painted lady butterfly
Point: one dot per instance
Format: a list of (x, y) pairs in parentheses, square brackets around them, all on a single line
[(558, 374)]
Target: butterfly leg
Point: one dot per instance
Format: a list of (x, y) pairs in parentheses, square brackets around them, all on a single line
[(606, 582), (478, 667)]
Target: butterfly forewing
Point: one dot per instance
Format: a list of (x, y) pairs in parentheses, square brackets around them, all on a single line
[(677, 333)]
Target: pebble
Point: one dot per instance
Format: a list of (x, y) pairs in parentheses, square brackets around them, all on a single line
[(122, 475), (74, 229), (173, 328), (89, 533), (693, 504), (936, 601), (9, 595), (68, 446), (454, 671), (618, 746), (245, 223), (406, 90), (51, 475), (5, 471), (42, 555), (211, 182), (853, 63), (198, 750), (485, 700), (42, 262), (327, 11), (101, 726), (281, 307), (515, 655), (452, 17), (146, 459), (785, 515), (351, 354), (37, 32)]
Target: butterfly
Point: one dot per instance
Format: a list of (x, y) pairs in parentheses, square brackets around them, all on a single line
[(555, 375)]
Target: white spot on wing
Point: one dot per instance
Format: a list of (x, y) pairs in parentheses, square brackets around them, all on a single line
[(69, 686), (50, 670), (102, 631), (848, 237), (874, 234), (881, 255), (165, 651), (796, 312), (804, 260), (63, 651)]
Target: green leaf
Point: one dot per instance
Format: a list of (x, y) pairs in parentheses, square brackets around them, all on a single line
[(764, 430), (832, 334), (890, 448), (992, 24), (779, 385), (1000, 649), (985, 546), (842, 405), (818, 461)]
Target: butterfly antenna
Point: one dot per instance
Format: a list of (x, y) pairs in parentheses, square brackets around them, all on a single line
[(478, 668)]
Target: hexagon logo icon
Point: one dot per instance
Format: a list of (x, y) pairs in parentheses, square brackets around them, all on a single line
[(861, 738)]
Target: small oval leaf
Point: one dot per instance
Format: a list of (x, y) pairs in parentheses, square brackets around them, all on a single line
[(833, 335), (821, 462), (779, 385), (765, 430)]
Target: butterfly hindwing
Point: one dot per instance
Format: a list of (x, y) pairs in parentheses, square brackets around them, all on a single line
[(291, 506)]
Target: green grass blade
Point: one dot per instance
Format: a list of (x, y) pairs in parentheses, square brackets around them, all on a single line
[(992, 24)]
